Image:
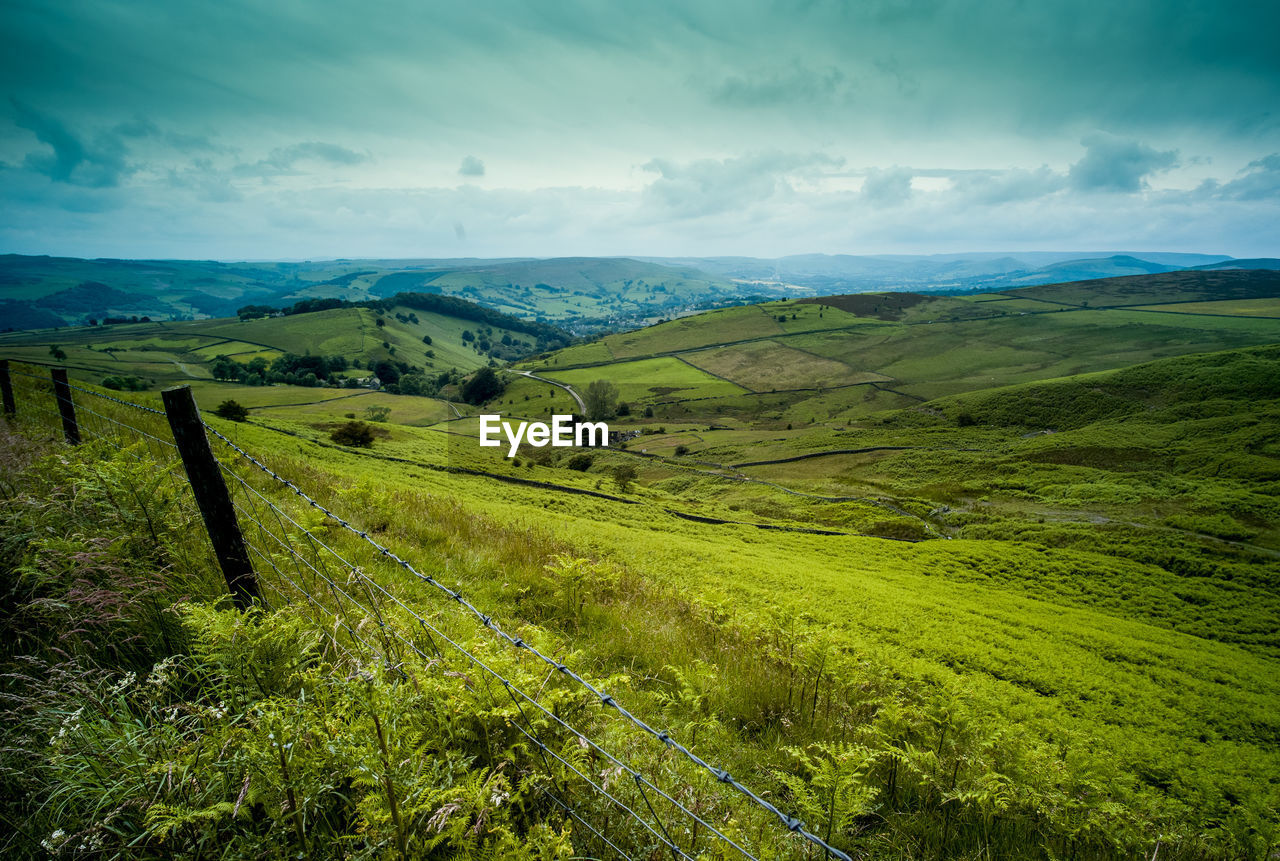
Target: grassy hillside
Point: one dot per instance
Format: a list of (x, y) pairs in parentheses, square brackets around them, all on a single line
[(838, 359), (993, 575), (160, 353)]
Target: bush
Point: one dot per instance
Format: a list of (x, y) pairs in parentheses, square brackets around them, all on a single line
[(231, 410), (356, 434), (623, 475), (682, 450), (124, 384), (377, 413), (484, 386), (580, 462)]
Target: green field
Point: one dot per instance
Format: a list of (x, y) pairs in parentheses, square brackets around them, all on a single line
[(656, 379), (1268, 307), (1006, 580)]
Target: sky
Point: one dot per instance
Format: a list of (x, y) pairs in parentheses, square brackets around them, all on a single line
[(298, 129)]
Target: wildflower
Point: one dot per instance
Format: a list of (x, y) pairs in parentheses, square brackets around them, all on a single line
[(126, 680), (159, 675), (55, 840)]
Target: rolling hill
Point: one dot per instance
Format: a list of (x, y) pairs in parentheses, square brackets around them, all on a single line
[(1024, 539)]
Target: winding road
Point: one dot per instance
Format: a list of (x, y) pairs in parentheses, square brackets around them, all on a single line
[(582, 405)]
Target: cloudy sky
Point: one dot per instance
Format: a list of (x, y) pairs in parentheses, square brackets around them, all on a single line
[(413, 128)]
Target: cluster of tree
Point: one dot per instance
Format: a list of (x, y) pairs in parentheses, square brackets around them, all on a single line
[(483, 386), (107, 321), (419, 382), (124, 384), (289, 368), (255, 312)]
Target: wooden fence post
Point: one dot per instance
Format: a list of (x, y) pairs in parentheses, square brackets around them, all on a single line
[(62, 391), (6, 389), (211, 494)]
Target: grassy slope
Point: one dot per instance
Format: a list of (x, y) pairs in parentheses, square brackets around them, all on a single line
[(1077, 641), (1108, 587), (920, 350)]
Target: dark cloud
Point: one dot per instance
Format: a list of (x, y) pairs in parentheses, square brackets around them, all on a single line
[(96, 164), (471, 166), (1112, 163)]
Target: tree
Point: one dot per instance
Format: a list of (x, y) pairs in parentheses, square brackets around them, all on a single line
[(57, 353), (224, 368), (416, 384), (386, 372), (580, 461), (602, 400), (483, 386), (356, 434), (377, 413), (231, 410), (623, 475)]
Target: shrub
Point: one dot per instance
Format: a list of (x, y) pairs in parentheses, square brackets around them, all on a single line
[(377, 413), (623, 475), (580, 462), (124, 384), (357, 434), (231, 410)]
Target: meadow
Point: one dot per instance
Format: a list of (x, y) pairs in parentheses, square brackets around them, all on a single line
[(1002, 584)]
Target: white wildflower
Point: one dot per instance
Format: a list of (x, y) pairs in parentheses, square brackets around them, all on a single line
[(128, 679), (54, 840), (159, 675)]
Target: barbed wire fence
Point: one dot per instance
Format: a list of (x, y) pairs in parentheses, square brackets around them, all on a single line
[(642, 795)]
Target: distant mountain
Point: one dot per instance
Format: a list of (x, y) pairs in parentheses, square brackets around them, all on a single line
[(1250, 263), (585, 294), (845, 273), (1083, 270)]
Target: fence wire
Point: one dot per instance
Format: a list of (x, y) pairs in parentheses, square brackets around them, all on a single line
[(305, 570)]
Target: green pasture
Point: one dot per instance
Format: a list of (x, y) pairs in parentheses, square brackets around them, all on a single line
[(769, 365), (649, 380), (1265, 307)]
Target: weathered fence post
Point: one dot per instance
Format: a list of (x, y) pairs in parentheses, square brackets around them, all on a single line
[(211, 494), (6, 389), (62, 391)]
